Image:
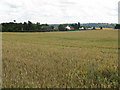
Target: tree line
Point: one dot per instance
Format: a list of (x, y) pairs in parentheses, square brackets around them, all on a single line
[(104, 25), (22, 27), (35, 27)]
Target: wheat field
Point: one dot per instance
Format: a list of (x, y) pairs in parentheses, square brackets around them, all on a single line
[(71, 59)]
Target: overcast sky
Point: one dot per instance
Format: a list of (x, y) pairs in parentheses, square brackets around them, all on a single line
[(59, 11)]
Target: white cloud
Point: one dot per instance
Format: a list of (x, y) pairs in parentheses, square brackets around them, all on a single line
[(59, 11)]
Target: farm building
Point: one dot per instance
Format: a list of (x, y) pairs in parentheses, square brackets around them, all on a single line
[(81, 28), (86, 28), (68, 27), (46, 27), (56, 27)]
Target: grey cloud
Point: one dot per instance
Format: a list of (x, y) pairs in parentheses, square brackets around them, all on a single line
[(56, 11), (68, 2), (10, 5)]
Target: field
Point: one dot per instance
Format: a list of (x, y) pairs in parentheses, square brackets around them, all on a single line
[(73, 59)]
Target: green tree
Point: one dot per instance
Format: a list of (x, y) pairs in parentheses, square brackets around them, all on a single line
[(30, 26), (117, 26), (25, 26), (101, 27), (61, 27), (75, 26), (78, 25)]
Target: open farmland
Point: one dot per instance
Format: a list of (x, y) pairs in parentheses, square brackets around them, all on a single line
[(76, 59)]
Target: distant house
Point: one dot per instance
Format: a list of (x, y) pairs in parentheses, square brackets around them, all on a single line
[(68, 27), (90, 28), (81, 28), (56, 27), (86, 28), (46, 27)]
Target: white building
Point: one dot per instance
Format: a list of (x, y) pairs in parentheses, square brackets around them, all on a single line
[(68, 27), (81, 28)]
